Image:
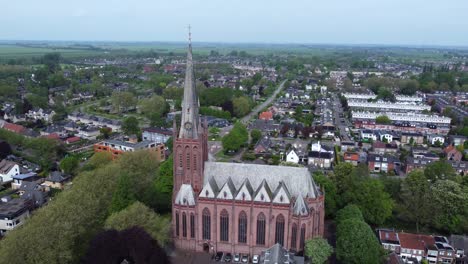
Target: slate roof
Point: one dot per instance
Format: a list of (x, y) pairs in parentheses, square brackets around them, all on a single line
[(57, 176), (185, 195), (297, 180), (6, 166)]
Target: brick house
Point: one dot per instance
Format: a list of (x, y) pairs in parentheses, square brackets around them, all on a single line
[(351, 157), (452, 153), (381, 163)]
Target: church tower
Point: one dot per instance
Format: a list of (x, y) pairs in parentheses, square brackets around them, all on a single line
[(190, 140)]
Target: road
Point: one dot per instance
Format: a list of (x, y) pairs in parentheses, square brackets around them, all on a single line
[(259, 107), (341, 123)]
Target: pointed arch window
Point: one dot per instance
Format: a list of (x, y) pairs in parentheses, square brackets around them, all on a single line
[(242, 227), (293, 236), (187, 156), (303, 229), (192, 225), (184, 224), (224, 226), (206, 224), (179, 150), (279, 230), (194, 162), (177, 223), (261, 229)]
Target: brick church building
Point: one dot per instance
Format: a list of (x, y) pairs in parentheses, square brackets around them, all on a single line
[(234, 207)]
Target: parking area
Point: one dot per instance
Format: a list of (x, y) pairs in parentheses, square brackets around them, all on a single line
[(235, 258)]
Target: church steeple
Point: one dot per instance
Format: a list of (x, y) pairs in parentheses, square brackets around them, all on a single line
[(190, 119)]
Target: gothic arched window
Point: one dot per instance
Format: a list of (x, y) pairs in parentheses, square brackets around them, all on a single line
[(192, 225), (187, 155), (293, 236), (261, 229), (177, 223), (242, 227), (303, 229), (206, 224), (279, 230), (184, 225), (224, 226)]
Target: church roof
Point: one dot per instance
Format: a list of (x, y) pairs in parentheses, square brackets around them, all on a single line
[(300, 208), (185, 195), (298, 181)]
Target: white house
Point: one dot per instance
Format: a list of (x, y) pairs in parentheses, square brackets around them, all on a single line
[(156, 134), (39, 113), (367, 134), (13, 213), (323, 89), (292, 156), (385, 136), (89, 133), (8, 169), (434, 138)]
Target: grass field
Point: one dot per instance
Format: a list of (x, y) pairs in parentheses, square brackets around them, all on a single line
[(11, 51)]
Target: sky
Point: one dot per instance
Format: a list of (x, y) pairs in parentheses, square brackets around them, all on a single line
[(389, 22)]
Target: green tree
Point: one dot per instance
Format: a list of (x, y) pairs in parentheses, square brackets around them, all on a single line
[(98, 160), (255, 135), (449, 202), (163, 185), (153, 108), (439, 170), (318, 250), (356, 243), (241, 106), (330, 193), (415, 198), (386, 94), (351, 211), (137, 214), (123, 196), (236, 138), (383, 119), (130, 126), (69, 164), (122, 101)]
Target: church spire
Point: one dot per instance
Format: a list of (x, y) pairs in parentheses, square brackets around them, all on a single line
[(190, 119)]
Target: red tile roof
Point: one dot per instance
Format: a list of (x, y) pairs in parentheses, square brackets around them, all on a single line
[(72, 139), (267, 115), (388, 235), (351, 156), (13, 127), (415, 241), (53, 136)]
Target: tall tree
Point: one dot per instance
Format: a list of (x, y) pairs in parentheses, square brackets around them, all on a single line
[(415, 198), (318, 250), (330, 193), (241, 105), (439, 170), (123, 196), (130, 126)]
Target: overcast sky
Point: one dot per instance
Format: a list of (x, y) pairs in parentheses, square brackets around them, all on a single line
[(414, 22)]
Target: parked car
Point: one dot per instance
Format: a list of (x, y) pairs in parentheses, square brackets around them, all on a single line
[(218, 256), (228, 257), (236, 258), (245, 258), (255, 259)]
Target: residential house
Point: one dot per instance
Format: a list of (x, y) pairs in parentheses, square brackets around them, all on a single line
[(35, 192), (18, 129), (380, 147), (321, 159), (460, 244), (452, 153), (56, 180), (347, 146), (13, 213), (19, 179), (267, 115), (368, 135), (263, 146), (445, 252), (414, 245), (41, 114), (156, 134), (457, 140), (414, 163), (89, 133), (412, 138), (72, 140), (389, 240), (351, 157), (385, 136), (8, 169), (381, 163), (118, 147), (268, 127), (296, 155), (461, 167), (435, 140)]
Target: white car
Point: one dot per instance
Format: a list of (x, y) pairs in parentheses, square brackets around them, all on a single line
[(236, 258), (255, 259)]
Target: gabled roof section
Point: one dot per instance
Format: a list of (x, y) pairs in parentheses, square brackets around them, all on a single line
[(228, 191), (245, 192), (300, 207), (210, 190), (281, 194), (263, 193), (185, 195)]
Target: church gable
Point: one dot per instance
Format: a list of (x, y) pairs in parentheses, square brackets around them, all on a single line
[(281, 195), (209, 190), (263, 194), (227, 192), (245, 192)]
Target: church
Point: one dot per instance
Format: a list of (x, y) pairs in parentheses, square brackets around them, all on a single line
[(236, 207)]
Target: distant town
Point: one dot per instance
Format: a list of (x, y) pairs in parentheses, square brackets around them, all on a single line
[(363, 153)]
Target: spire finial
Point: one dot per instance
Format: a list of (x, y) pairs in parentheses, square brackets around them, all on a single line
[(189, 34)]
